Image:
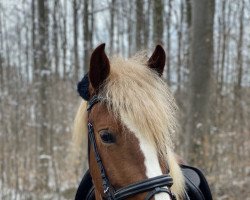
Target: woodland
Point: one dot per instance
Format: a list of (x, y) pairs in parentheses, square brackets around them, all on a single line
[(45, 46)]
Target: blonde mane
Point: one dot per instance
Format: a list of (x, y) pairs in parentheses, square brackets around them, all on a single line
[(141, 99)]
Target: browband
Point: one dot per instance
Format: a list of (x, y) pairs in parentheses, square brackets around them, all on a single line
[(95, 99), (83, 88), (107, 187)]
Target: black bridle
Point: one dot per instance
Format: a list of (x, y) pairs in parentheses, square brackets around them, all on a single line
[(153, 185)]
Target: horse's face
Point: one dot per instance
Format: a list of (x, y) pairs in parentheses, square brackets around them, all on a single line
[(119, 149), (127, 157)]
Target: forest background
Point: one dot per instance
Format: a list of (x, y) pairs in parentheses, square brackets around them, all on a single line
[(44, 51)]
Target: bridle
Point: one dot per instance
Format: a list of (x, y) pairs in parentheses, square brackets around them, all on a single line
[(153, 185)]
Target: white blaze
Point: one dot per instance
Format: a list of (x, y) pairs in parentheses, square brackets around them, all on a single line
[(152, 164), (151, 160)]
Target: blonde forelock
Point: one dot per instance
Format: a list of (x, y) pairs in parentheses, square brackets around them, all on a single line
[(138, 96)]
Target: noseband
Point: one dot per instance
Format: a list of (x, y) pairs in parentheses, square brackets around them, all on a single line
[(153, 185)]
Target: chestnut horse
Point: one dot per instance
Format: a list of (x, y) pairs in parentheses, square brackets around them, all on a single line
[(130, 121)]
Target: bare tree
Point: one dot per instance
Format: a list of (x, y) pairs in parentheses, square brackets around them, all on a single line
[(76, 49), (169, 14), (86, 31), (146, 23), (180, 48), (2, 167), (238, 112), (34, 45), (139, 24), (64, 43), (55, 36), (158, 7), (130, 28), (200, 75), (44, 73), (112, 25)]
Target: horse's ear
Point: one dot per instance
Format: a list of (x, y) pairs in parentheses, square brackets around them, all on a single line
[(157, 60), (99, 67)]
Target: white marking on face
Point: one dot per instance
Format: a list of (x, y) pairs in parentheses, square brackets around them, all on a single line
[(151, 161), (152, 164)]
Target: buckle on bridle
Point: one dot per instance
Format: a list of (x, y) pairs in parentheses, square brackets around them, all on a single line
[(106, 190)]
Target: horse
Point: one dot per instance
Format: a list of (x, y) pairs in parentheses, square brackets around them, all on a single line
[(129, 117)]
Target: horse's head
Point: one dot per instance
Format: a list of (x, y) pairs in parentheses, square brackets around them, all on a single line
[(131, 117)]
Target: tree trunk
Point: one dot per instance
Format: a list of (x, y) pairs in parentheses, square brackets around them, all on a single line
[(200, 74), (86, 35), (64, 39), (2, 136), (76, 55), (169, 42), (34, 45), (188, 18), (139, 24), (147, 24), (43, 94), (112, 25), (130, 28), (179, 56), (158, 9), (55, 37), (1, 53), (238, 111), (92, 24)]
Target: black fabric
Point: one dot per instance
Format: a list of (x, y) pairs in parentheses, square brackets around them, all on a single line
[(91, 194), (84, 187), (83, 87), (196, 185)]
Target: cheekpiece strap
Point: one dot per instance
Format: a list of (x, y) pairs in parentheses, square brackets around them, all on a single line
[(107, 187)]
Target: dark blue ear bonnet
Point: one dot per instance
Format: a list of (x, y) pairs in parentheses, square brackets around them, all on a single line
[(83, 87)]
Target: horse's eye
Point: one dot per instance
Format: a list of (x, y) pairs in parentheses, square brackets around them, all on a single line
[(107, 137)]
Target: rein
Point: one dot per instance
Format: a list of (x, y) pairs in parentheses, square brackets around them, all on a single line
[(153, 185)]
